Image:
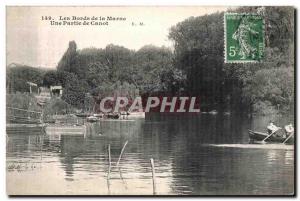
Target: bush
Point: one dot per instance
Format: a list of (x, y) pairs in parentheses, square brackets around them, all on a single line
[(264, 108), (57, 106)]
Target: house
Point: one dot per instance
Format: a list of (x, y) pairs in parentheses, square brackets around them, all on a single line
[(32, 86), (56, 91)]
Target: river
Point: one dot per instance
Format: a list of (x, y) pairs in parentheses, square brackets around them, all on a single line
[(193, 155)]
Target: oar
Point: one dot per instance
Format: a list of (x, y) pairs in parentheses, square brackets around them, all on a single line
[(270, 135), (288, 138)]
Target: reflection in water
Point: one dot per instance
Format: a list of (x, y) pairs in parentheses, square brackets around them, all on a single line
[(179, 145), (71, 148)]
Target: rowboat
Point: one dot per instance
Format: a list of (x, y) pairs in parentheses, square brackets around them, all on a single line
[(13, 129), (92, 119), (113, 116), (98, 115), (259, 136), (82, 115), (65, 130), (136, 115)]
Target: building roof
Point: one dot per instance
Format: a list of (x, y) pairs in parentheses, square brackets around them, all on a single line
[(55, 87)]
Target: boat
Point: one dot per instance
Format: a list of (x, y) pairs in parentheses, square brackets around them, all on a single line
[(82, 115), (49, 121), (92, 119), (227, 113), (65, 130), (98, 115), (259, 136), (113, 115), (136, 115), (213, 112)]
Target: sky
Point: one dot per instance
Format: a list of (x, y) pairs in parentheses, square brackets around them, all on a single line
[(34, 42)]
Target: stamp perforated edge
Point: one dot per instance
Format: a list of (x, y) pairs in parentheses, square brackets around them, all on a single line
[(225, 38)]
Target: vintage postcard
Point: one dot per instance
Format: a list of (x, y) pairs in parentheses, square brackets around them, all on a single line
[(164, 100)]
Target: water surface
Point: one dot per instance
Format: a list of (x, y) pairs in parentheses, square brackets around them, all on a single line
[(189, 153)]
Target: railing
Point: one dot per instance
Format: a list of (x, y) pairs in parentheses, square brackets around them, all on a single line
[(24, 110), (17, 115)]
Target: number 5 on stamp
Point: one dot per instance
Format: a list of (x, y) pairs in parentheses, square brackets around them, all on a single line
[(244, 37)]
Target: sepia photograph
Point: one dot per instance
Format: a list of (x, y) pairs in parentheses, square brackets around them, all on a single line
[(150, 101)]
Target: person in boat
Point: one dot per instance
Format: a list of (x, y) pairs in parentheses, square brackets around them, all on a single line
[(272, 128), (289, 129)]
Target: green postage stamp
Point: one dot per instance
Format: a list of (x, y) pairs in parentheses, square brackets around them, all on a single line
[(244, 37)]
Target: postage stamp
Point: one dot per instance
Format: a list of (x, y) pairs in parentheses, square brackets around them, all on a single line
[(244, 37)]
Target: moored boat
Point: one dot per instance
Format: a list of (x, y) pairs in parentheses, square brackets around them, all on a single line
[(65, 130), (136, 115), (98, 115), (13, 129), (92, 119), (82, 115), (213, 112), (259, 136), (113, 115)]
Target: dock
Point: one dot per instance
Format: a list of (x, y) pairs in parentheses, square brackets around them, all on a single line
[(65, 129)]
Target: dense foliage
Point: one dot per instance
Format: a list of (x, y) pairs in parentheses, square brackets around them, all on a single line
[(199, 53), (114, 70), (56, 106), (18, 75)]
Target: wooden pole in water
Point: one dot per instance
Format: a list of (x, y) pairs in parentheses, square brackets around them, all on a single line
[(121, 154), (153, 176), (109, 162)]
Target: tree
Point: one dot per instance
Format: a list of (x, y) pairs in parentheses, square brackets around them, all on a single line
[(271, 82), (18, 76), (153, 65), (50, 78), (53, 77), (75, 91), (68, 60), (199, 53), (118, 59), (97, 74)]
